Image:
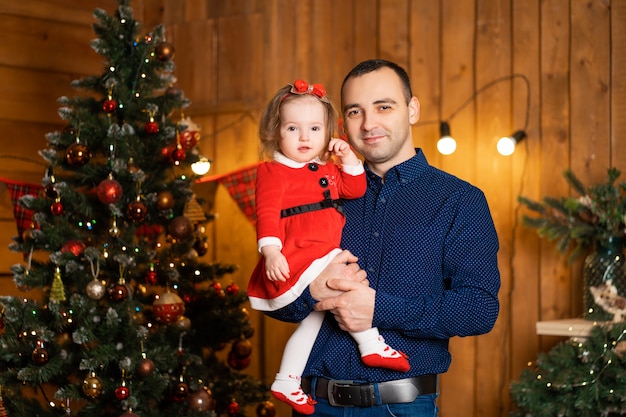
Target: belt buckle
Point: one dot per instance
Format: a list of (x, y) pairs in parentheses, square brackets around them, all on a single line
[(338, 383)]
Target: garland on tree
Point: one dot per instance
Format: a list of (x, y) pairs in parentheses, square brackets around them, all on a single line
[(581, 377)]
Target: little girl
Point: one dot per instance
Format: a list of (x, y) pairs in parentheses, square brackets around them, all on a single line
[(299, 224)]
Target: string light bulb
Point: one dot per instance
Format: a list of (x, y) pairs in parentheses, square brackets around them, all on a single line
[(202, 166), (506, 144), (446, 145)]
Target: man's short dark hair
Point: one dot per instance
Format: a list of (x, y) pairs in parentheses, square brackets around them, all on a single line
[(371, 65)]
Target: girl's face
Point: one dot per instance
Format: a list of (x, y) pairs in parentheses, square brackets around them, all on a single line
[(302, 128)]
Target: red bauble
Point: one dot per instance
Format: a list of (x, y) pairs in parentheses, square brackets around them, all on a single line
[(137, 211), (237, 363), (168, 307), (179, 155), (166, 153), (180, 227), (181, 390), (118, 292), (164, 51), (242, 348), (109, 106), (57, 208), (233, 408), (266, 409), (129, 414), (122, 392), (77, 155), (165, 200), (189, 139), (201, 401), (151, 277), (232, 289), (218, 289), (76, 247), (152, 128), (40, 355), (109, 191), (145, 367)]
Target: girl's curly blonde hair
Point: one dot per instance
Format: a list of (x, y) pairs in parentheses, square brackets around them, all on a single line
[(269, 128)]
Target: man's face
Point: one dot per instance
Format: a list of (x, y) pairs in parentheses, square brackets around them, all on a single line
[(377, 119)]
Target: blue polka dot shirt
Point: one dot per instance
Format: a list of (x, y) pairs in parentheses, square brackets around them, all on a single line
[(429, 246)]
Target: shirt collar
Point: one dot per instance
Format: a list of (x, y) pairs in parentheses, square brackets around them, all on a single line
[(405, 172), (282, 159)]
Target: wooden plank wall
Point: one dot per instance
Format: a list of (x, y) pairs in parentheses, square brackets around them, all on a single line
[(231, 55)]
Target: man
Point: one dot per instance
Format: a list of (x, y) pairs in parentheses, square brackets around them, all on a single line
[(427, 243)]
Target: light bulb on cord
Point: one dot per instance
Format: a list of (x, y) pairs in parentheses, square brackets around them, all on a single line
[(446, 145), (202, 166), (506, 145)]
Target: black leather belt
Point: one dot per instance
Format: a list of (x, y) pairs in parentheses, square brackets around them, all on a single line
[(355, 394)]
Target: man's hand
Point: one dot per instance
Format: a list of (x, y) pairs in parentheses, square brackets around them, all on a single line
[(353, 308), (342, 267)]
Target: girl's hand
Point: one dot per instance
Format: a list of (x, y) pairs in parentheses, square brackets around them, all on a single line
[(341, 149), (276, 265)]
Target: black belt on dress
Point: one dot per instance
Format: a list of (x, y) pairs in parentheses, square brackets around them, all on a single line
[(305, 208), (355, 394)]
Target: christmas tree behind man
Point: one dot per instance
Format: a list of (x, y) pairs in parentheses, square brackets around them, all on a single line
[(130, 322)]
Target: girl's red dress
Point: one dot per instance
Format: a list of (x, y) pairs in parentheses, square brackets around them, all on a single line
[(311, 239)]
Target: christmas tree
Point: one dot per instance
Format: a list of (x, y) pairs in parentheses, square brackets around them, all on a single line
[(130, 322), (577, 378)]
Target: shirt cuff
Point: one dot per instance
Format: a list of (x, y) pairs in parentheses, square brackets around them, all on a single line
[(390, 312), (270, 240), (353, 170)]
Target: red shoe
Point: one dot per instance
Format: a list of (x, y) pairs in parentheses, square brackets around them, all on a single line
[(300, 401), (390, 359)]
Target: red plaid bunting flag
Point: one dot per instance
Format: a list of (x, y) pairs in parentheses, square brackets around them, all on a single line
[(240, 185), (23, 216)]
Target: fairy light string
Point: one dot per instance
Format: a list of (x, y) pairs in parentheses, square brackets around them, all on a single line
[(596, 366)]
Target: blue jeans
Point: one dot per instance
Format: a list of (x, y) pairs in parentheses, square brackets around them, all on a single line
[(423, 406)]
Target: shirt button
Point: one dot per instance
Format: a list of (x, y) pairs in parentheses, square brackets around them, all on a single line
[(313, 166), (324, 182), (376, 234), (383, 200)]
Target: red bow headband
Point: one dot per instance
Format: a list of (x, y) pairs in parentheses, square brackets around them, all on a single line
[(301, 87)]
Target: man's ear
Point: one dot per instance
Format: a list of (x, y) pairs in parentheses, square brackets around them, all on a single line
[(414, 110)]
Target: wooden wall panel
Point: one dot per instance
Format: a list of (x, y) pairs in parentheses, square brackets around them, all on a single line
[(196, 61), (365, 32), (457, 84), (393, 41), (66, 11), (555, 151), (27, 40), (618, 84), (231, 55), (493, 176), (590, 71), (524, 262)]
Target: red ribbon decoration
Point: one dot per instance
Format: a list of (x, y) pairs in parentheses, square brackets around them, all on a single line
[(302, 87)]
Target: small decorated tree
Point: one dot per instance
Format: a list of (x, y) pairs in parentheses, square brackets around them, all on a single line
[(130, 321), (577, 378)]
